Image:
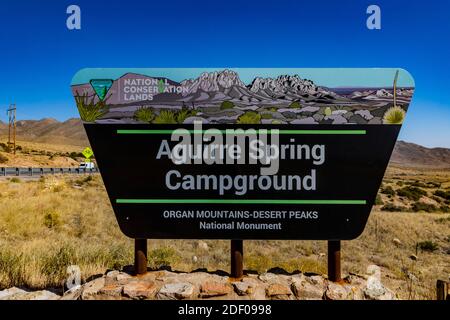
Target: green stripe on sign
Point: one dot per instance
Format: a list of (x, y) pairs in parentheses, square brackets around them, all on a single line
[(237, 201), (170, 131)]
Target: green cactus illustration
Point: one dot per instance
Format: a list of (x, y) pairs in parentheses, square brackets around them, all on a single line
[(161, 86)]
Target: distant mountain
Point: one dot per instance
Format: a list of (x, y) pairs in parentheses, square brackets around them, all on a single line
[(48, 130), (408, 154), (214, 87), (213, 81), (71, 132)]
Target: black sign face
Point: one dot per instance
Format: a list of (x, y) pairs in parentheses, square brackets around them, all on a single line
[(214, 157)]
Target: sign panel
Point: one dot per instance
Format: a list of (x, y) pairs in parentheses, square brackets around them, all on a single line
[(242, 153)]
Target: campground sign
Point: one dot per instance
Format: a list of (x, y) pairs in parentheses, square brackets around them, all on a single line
[(242, 153)]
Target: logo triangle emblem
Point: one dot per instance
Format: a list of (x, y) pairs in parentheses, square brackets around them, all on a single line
[(101, 87)]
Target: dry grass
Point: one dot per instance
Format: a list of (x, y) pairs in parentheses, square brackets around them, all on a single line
[(36, 154), (48, 224)]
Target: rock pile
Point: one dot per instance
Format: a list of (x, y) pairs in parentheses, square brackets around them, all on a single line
[(167, 285)]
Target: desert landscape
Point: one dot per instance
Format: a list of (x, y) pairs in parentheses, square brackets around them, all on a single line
[(221, 97), (48, 223)]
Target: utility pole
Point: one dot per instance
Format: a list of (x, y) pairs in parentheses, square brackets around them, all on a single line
[(12, 126)]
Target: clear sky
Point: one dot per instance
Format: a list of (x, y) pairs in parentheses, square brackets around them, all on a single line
[(39, 55)]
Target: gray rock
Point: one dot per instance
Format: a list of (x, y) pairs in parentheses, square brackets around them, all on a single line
[(318, 117), (174, 291), (336, 119), (190, 120), (242, 288), (73, 294), (19, 294), (365, 114), (357, 119), (40, 295), (223, 119), (375, 120), (267, 277), (289, 114), (123, 278), (317, 281), (309, 120), (92, 288), (309, 109), (339, 112), (291, 110), (337, 291), (304, 290), (11, 292), (248, 108), (348, 115), (379, 112)]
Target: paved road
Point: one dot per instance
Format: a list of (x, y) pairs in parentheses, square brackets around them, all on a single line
[(42, 171)]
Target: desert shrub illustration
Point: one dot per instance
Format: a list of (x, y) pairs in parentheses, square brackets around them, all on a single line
[(394, 115), (166, 117), (295, 105), (173, 117), (89, 109), (266, 116), (144, 114), (183, 114), (226, 105), (249, 117)]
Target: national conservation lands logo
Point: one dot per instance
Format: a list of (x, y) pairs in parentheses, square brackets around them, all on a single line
[(101, 87), (242, 153), (144, 89)]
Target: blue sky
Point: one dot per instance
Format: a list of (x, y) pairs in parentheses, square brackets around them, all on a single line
[(39, 55)]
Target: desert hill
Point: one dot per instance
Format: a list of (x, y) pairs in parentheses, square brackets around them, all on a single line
[(409, 154), (49, 131)]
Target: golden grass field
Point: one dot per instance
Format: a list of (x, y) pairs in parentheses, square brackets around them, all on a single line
[(56, 221), (37, 154)]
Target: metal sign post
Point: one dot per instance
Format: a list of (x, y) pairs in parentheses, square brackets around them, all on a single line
[(140, 256), (334, 261), (237, 258)]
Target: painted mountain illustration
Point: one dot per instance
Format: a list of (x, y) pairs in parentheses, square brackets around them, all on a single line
[(222, 97)]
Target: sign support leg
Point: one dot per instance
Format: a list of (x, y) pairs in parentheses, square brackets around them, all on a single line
[(237, 258), (140, 256), (334, 261)]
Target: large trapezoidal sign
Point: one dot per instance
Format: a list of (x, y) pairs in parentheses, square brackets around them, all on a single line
[(242, 153)]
